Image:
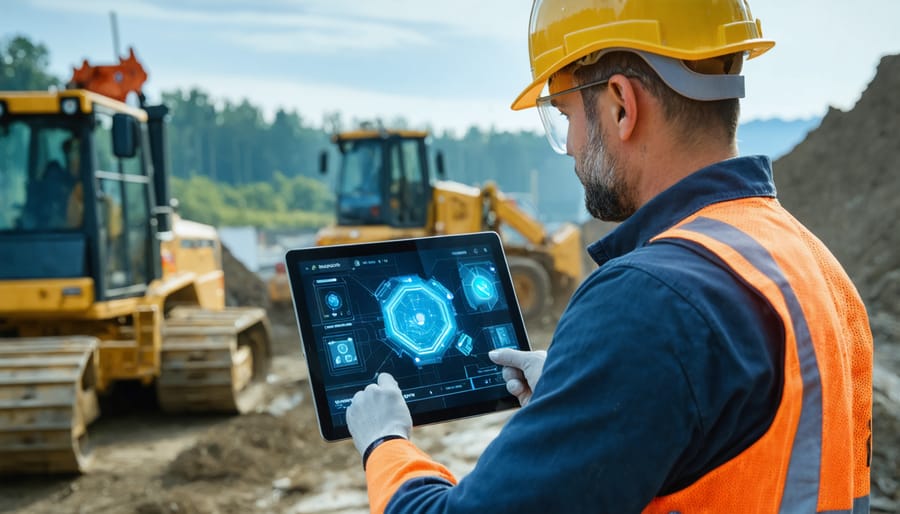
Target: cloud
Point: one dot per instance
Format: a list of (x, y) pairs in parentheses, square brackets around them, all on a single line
[(325, 26), (479, 18), (284, 31), (325, 39)]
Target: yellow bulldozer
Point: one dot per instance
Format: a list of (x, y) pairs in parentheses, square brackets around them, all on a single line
[(102, 281), (386, 190)]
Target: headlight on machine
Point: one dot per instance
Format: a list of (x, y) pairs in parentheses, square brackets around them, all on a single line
[(69, 106)]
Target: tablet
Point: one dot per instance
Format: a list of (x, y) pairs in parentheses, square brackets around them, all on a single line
[(425, 310)]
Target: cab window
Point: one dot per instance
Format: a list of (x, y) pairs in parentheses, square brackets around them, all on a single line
[(123, 212), (40, 180), (407, 187)]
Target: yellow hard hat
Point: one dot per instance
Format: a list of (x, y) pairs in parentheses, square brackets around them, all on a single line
[(563, 31)]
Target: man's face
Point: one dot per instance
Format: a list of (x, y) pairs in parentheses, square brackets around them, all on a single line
[(607, 196)]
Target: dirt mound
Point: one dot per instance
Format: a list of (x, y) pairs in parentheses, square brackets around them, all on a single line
[(242, 286), (176, 504), (843, 183), (247, 448), (283, 452)]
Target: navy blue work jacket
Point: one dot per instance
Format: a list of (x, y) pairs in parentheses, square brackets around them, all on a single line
[(663, 366)]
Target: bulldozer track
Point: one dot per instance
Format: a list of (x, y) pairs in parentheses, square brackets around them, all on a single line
[(210, 360), (47, 399)]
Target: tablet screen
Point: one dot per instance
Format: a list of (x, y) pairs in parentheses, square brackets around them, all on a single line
[(427, 311)]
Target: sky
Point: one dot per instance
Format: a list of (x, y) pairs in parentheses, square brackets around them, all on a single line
[(446, 64)]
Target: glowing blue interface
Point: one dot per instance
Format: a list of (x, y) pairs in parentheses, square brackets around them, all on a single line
[(429, 318)]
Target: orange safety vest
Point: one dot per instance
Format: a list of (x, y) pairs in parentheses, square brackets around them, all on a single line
[(815, 456)]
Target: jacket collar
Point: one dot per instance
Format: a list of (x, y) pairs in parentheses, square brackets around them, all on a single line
[(740, 177)]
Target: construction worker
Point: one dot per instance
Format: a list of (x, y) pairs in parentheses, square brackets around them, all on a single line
[(55, 199), (719, 360), (75, 203)]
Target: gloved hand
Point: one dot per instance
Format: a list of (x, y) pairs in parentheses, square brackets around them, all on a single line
[(521, 370), (377, 411)]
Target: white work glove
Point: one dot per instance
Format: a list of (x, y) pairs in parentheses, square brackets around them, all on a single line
[(521, 370), (378, 411)]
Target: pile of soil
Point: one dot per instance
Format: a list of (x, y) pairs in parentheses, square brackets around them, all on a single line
[(843, 183), (260, 451), (242, 286)]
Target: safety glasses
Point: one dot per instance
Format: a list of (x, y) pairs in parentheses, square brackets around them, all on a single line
[(556, 124)]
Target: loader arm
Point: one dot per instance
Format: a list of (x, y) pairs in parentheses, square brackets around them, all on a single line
[(506, 211)]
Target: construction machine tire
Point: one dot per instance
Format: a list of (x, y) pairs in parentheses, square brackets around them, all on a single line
[(532, 285), (213, 361), (47, 400)]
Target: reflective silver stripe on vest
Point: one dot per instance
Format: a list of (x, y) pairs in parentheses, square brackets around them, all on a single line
[(801, 489)]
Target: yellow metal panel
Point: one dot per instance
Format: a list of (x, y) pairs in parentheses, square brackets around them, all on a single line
[(365, 233), (112, 308), (194, 248), (48, 102), (510, 213), (148, 335), (566, 251), (118, 360), (31, 102), (376, 134), (49, 295), (115, 105), (160, 289), (457, 208), (211, 289), (279, 288)]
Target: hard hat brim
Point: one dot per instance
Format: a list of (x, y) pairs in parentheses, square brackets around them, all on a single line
[(528, 97)]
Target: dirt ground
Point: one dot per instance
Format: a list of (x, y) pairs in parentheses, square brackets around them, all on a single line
[(272, 460)]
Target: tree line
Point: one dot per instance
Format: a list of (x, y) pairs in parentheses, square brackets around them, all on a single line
[(232, 166)]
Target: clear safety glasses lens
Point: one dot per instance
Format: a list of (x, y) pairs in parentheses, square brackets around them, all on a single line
[(556, 124)]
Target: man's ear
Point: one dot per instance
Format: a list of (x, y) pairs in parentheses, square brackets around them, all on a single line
[(623, 107)]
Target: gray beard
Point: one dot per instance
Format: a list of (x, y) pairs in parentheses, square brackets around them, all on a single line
[(606, 196)]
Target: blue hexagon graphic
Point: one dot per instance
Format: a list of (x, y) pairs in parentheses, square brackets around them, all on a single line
[(419, 318)]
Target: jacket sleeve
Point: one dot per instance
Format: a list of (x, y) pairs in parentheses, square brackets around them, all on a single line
[(610, 416), (395, 462)]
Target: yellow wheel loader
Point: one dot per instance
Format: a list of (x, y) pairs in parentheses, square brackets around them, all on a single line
[(385, 190), (100, 280)]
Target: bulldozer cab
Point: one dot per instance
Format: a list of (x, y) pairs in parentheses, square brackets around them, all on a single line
[(384, 179), (75, 184)]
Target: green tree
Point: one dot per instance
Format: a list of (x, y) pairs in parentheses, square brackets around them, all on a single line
[(23, 65), (193, 134)]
